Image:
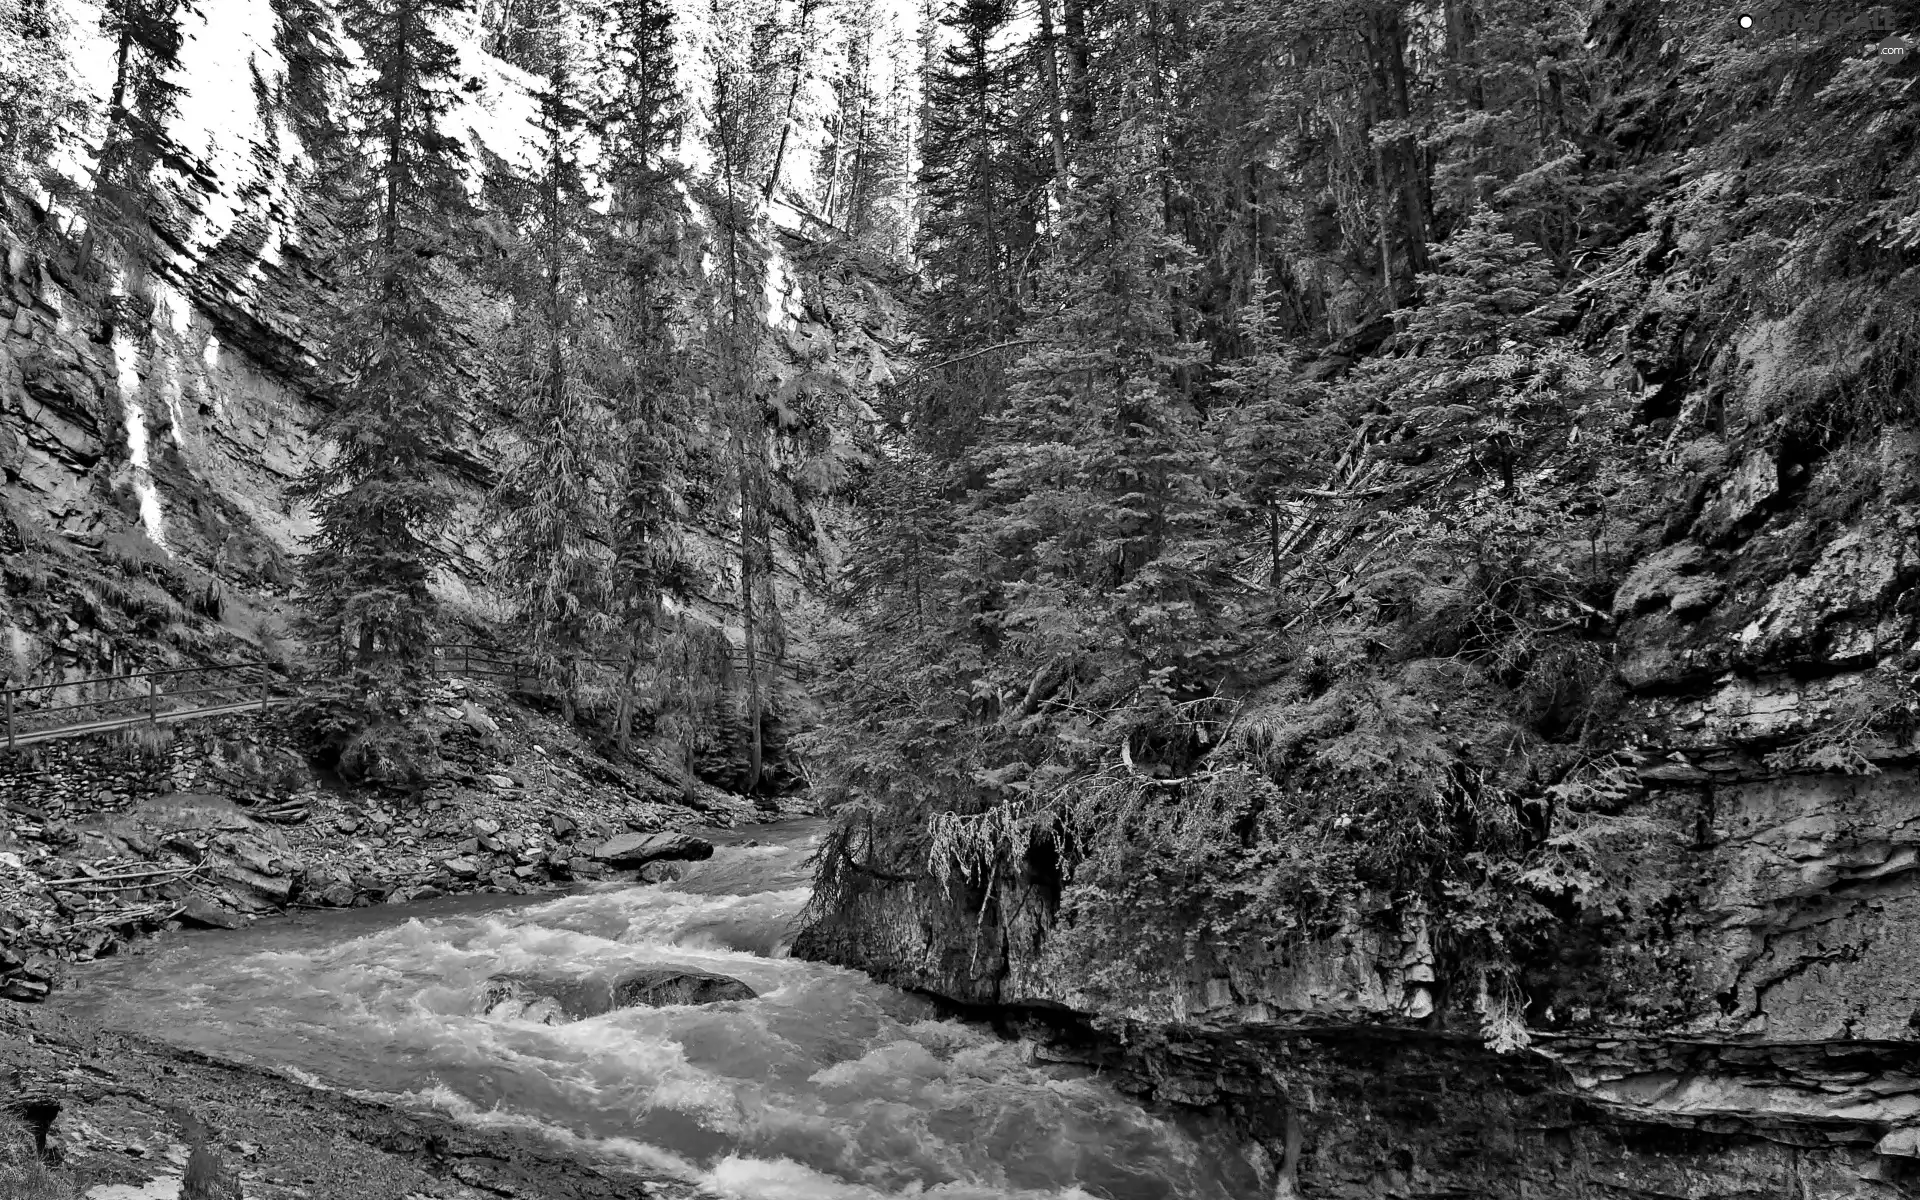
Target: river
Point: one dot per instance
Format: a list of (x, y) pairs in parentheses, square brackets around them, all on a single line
[(829, 1086)]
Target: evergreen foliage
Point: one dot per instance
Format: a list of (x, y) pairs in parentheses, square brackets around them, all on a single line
[(396, 351), (556, 362), (1292, 383), (733, 361), (37, 91), (1296, 381), (863, 162), (146, 40)]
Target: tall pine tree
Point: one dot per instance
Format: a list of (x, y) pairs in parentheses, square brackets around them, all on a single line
[(395, 351), (639, 118), (556, 364), (736, 373), (37, 92)]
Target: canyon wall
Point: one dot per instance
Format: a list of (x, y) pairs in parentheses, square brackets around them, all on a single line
[(1746, 1025), (160, 451)]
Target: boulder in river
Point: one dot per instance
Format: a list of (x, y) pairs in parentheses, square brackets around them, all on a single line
[(199, 910), (639, 849), (659, 987), (552, 999), (660, 871)]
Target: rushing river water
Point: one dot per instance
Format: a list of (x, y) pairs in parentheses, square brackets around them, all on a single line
[(827, 1086)]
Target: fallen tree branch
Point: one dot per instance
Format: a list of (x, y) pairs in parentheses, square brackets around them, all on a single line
[(173, 872), (947, 362), (1126, 759), (129, 916)]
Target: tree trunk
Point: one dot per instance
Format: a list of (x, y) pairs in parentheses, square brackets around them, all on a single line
[(1387, 44), (749, 584), (1056, 121), (793, 93), (1079, 95)]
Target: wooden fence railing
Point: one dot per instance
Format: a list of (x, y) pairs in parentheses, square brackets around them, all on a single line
[(40, 712), (475, 661)]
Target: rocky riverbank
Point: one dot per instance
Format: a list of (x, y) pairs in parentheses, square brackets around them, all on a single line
[(105, 844), (126, 1118)]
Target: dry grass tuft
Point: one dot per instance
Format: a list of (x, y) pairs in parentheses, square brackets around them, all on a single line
[(23, 1175)]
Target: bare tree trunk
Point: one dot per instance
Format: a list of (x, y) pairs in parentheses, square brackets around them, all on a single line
[(1056, 121), (793, 93), (750, 626), (1080, 98)]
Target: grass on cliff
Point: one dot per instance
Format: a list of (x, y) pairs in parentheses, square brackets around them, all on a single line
[(23, 1175)]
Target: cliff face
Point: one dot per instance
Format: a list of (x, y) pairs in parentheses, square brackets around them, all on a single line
[(1750, 1022), (1747, 1021), (147, 465)]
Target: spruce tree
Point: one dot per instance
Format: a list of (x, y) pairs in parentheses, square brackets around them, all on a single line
[(800, 43), (863, 163), (976, 235), (1483, 385), (736, 373), (556, 362), (1104, 504), (37, 92), (394, 352), (638, 120), (146, 39)]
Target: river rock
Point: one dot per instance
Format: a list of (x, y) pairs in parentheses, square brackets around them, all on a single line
[(660, 872), (639, 849), (659, 987), (250, 884), (552, 999), (199, 910)]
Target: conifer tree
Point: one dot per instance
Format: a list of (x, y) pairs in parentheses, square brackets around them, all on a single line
[(638, 120), (37, 92), (863, 163), (394, 351), (1104, 496), (736, 374), (800, 43), (146, 40), (556, 362), (977, 225), (1483, 374)]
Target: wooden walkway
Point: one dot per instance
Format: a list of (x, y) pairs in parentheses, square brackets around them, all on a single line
[(44, 712)]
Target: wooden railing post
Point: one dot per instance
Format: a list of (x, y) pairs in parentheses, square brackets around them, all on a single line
[(153, 701), (9, 718)]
